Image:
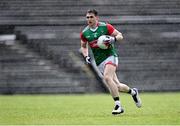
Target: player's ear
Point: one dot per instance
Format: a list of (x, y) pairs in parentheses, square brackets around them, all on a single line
[(97, 17)]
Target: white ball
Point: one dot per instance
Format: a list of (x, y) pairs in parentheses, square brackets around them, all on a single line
[(100, 42)]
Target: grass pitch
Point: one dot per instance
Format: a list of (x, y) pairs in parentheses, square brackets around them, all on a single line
[(157, 109)]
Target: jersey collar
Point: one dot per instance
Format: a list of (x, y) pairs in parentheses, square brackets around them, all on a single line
[(94, 29)]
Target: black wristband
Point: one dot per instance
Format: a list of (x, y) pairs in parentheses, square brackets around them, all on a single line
[(115, 38)]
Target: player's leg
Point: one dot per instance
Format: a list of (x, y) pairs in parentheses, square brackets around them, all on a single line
[(124, 88), (108, 76), (109, 71), (121, 87)]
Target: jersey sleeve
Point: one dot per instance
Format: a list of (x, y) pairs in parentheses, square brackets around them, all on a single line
[(110, 29), (82, 37)]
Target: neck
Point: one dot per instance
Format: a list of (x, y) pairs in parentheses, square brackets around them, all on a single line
[(94, 26)]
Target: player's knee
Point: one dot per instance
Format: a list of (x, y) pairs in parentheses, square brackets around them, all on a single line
[(123, 88), (107, 78), (119, 87)]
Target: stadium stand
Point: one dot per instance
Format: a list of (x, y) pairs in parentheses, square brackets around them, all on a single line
[(24, 71), (149, 54)]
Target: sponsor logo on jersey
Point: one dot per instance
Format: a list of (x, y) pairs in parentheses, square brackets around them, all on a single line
[(93, 44)]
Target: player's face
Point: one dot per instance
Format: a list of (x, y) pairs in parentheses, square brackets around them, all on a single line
[(91, 19)]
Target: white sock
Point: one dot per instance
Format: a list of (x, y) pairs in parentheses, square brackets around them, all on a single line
[(118, 103), (133, 92)]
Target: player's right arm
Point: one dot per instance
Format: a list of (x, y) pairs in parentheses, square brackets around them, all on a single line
[(84, 48)]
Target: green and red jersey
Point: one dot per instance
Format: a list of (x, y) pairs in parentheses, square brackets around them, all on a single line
[(91, 36)]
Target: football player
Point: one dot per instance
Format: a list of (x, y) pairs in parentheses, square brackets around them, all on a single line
[(106, 59)]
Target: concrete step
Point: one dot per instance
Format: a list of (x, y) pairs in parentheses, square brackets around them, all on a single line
[(105, 10), (139, 75), (42, 90), (157, 85), (39, 82), (149, 65), (99, 2), (69, 20)]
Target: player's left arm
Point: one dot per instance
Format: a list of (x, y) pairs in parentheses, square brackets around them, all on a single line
[(114, 32), (118, 35)]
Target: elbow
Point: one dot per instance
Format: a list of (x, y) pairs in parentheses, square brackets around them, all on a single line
[(119, 37)]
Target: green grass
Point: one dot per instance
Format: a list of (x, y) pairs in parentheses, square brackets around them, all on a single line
[(158, 109)]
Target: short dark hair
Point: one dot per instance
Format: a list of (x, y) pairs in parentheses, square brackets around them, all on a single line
[(93, 11)]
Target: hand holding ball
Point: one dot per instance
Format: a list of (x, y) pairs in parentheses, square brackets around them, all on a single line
[(105, 41)]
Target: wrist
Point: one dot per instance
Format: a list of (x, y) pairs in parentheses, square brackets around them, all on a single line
[(115, 39), (87, 59)]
